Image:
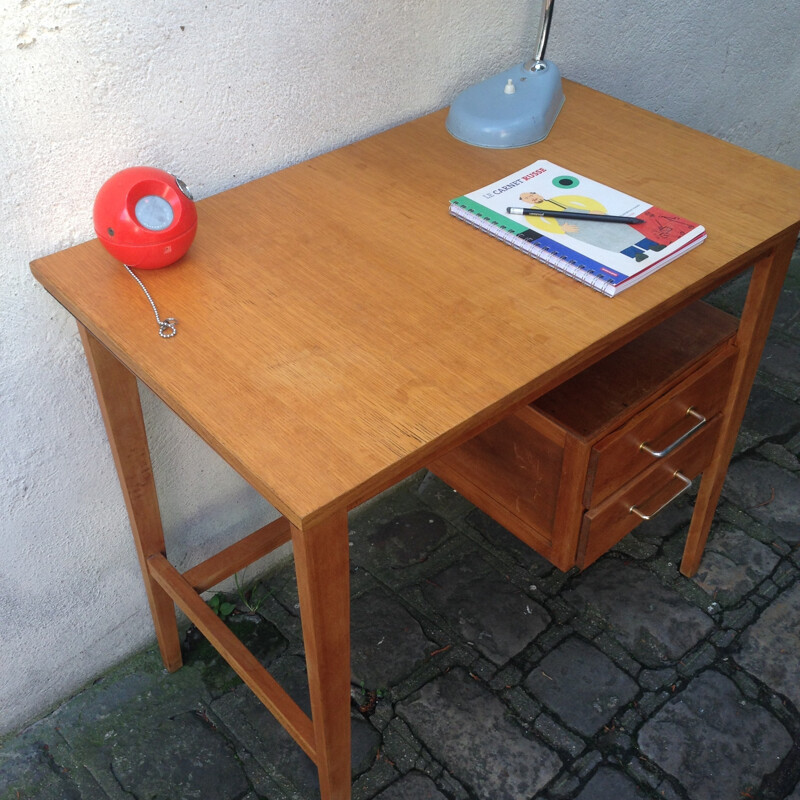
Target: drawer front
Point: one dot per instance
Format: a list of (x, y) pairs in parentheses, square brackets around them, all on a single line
[(640, 444), (604, 525)]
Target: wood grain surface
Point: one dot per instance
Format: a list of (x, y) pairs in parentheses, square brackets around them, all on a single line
[(337, 327)]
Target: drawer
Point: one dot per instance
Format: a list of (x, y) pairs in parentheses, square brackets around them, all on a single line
[(653, 435), (539, 469), (606, 524)]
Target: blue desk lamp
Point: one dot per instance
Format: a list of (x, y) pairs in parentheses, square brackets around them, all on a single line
[(515, 107)]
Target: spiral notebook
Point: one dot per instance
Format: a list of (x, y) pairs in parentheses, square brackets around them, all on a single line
[(608, 256)]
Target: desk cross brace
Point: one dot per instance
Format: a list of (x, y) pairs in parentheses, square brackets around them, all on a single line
[(246, 665)]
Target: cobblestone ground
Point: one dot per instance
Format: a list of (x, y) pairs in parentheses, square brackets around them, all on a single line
[(482, 673)]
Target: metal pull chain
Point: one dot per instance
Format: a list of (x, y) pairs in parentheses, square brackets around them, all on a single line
[(166, 327)]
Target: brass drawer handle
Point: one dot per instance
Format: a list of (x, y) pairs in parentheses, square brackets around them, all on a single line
[(677, 474), (680, 440)]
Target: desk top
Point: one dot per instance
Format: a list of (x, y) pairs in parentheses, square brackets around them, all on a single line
[(338, 329)]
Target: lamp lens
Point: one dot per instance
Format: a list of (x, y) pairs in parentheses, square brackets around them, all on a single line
[(154, 213)]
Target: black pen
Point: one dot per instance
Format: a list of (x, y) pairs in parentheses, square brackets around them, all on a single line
[(535, 212)]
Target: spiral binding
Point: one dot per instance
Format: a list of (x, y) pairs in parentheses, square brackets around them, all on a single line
[(539, 252)]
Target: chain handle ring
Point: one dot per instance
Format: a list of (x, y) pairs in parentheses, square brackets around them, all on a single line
[(166, 327)]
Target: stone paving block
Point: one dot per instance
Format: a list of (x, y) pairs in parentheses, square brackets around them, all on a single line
[(503, 541), (468, 729), (733, 564), (650, 702), (770, 647), (653, 622), (451, 787), (486, 609), (795, 795), (582, 685), (666, 791), (641, 770), (28, 770), (413, 786), (367, 785), (787, 310), (610, 784), (780, 360), (636, 547), (262, 784), (400, 745), (483, 669), (408, 539), (446, 500), (780, 456), (675, 517), (182, 757), (746, 440), (584, 765), (767, 493), (741, 616), (769, 590), (651, 679), (387, 643), (525, 707), (700, 658), (558, 737), (285, 620), (39, 763), (563, 786), (770, 414), (281, 582), (254, 728), (561, 611), (506, 678), (258, 634), (616, 742), (785, 574), (747, 686), (617, 653), (723, 639), (714, 741), (142, 691), (730, 296), (728, 514), (552, 583), (111, 717)]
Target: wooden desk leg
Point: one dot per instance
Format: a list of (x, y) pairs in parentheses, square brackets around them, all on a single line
[(322, 563), (765, 288), (118, 396)]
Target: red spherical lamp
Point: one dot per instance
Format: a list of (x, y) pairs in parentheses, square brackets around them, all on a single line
[(145, 217)]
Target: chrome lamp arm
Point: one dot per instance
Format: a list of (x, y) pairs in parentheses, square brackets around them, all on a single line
[(545, 19)]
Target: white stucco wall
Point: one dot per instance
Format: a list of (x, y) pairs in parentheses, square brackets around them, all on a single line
[(218, 93)]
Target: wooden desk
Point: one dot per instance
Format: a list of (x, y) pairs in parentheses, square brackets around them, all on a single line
[(338, 331)]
